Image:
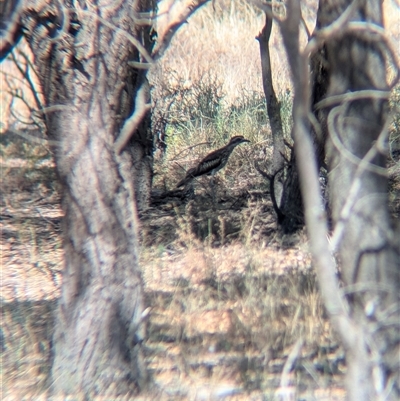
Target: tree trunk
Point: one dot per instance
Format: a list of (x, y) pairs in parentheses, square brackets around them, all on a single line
[(291, 202), (286, 196), (88, 84), (273, 107), (369, 256), (365, 312), (142, 142), (285, 192), (142, 148), (319, 67)]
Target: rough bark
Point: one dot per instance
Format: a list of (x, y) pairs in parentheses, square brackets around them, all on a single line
[(81, 55), (368, 253), (366, 313), (292, 201), (92, 61)]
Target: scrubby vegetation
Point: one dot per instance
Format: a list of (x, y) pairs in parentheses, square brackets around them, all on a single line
[(230, 295)]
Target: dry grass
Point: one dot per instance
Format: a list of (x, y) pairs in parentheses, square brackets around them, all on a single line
[(220, 38), (223, 317), (229, 294)]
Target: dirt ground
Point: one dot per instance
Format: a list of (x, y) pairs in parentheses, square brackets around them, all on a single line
[(235, 309), (229, 296)]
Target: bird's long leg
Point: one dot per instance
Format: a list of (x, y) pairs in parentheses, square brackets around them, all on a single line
[(213, 194)]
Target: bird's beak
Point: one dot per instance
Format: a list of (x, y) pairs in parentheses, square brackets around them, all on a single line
[(245, 140)]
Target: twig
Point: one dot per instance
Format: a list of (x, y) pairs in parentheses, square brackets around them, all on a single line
[(343, 26), (289, 145), (335, 29), (284, 390), (267, 8), (32, 138), (262, 172), (189, 148), (376, 33), (271, 179), (178, 14), (285, 158), (28, 79), (357, 95)]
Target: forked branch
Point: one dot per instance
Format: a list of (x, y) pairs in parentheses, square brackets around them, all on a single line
[(177, 14)]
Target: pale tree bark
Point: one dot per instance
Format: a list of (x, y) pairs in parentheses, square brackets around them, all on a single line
[(90, 60), (284, 182), (285, 191), (365, 311), (82, 65), (274, 114), (369, 256), (286, 194)]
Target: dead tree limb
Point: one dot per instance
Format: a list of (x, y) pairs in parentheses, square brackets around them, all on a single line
[(368, 246), (177, 14), (273, 106)]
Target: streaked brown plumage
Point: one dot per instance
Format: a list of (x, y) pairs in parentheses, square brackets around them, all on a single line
[(213, 162)]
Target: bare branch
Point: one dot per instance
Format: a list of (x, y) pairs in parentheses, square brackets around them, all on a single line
[(303, 23), (357, 95), (135, 42), (177, 15), (189, 148), (277, 11), (139, 65), (285, 391), (363, 166), (333, 117), (273, 9), (28, 79), (262, 172), (289, 145), (374, 32), (335, 29), (316, 221), (34, 139), (12, 110), (131, 124), (343, 25), (271, 180), (10, 32), (273, 106)]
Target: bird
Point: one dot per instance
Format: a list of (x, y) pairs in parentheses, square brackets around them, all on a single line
[(213, 162)]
